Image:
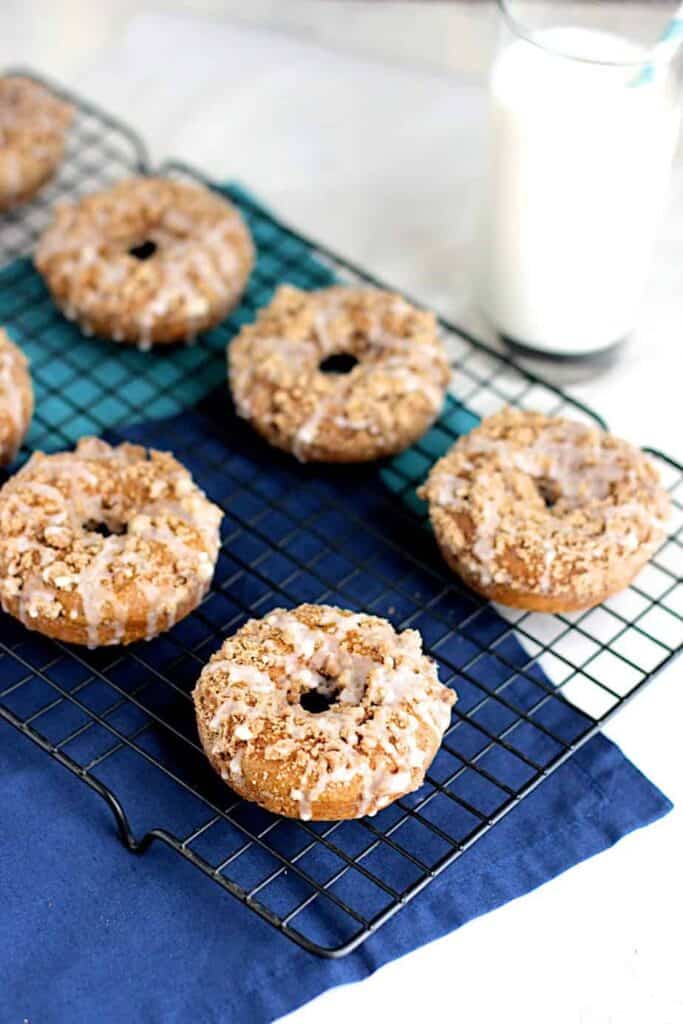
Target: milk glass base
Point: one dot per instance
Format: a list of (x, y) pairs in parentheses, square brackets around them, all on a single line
[(565, 367), (605, 355)]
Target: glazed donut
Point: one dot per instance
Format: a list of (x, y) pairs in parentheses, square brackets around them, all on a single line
[(148, 262), (319, 713), (33, 127), (393, 391), (16, 399), (545, 513), (104, 545)]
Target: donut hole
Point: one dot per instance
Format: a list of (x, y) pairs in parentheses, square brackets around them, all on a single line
[(144, 250), (339, 362), (548, 490), (105, 529), (316, 702)]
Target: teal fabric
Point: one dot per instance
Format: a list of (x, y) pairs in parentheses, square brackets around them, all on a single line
[(87, 385), (406, 471)]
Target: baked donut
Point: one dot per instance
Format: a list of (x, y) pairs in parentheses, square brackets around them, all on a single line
[(33, 127), (393, 390), (104, 545), (319, 713), (16, 398), (545, 513), (148, 262)]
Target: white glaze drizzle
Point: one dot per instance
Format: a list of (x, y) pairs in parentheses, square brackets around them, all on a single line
[(95, 588), (307, 433)]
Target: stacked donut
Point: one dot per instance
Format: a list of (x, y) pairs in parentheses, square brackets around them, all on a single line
[(314, 712)]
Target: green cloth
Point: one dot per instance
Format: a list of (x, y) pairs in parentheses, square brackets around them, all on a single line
[(90, 385)]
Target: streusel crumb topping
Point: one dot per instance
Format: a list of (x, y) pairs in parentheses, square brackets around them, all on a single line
[(382, 690), (103, 535), (529, 501), (392, 392), (152, 259)]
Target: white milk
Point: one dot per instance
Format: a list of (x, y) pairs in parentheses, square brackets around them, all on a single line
[(579, 166)]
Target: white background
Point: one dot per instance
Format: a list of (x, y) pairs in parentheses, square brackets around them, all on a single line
[(362, 124)]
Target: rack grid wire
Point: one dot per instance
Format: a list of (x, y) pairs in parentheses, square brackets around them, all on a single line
[(532, 688)]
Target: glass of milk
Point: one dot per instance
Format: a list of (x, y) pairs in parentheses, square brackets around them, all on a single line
[(583, 128)]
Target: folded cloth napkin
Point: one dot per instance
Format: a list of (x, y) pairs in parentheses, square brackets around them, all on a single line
[(90, 932)]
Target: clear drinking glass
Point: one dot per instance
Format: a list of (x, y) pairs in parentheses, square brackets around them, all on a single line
[(584, 121)]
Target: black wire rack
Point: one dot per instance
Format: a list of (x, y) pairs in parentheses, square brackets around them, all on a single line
[(532, 688)]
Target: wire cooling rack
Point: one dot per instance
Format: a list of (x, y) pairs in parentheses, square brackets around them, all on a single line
[(532, 688)]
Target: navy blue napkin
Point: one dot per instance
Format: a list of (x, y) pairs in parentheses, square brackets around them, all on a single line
[(90, 932)]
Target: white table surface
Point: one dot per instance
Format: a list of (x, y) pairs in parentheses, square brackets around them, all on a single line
[(362, 125)]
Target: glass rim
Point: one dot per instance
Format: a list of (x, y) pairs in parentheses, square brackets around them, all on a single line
[(655, 54)]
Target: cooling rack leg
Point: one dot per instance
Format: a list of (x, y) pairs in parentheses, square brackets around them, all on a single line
[(123, 828), (120, 817), (122, 824)]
